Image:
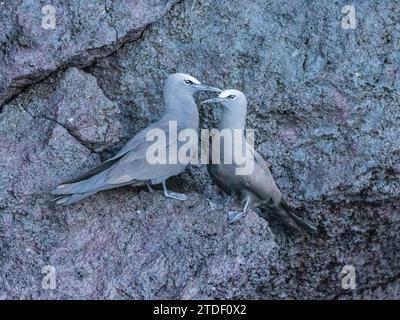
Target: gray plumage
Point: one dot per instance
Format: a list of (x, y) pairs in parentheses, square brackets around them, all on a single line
[(130, 166), (257, 187)]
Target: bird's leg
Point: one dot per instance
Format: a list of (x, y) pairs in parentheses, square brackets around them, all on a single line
[(234, 216), (149, 187), (173, 195)]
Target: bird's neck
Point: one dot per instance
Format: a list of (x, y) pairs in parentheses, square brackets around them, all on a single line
[(231, 128), (233, 119), (182, 108)]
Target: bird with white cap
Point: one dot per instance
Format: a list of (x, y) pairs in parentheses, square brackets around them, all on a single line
[(258, 186), (130, 166)]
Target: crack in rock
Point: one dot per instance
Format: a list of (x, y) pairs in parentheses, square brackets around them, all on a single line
[(45, 62), (68, 130)]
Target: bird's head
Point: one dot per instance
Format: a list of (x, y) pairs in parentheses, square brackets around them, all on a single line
[(231, 99), (185, 83)]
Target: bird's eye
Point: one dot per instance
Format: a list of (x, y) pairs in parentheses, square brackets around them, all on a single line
[(232, 97), (188, 82)]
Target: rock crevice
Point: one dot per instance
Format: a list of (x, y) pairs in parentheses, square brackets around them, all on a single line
[(323, 101)]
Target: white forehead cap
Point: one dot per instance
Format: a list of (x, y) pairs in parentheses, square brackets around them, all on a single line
[(229, 92), (184, 76), (194, 79)]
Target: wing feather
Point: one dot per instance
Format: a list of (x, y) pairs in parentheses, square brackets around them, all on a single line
[(133, 164)]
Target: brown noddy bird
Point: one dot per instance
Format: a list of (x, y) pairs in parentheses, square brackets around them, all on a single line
[(130, 165), (256, 186)]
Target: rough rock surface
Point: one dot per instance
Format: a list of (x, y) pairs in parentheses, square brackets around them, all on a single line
[(325, 105), (32, 49)]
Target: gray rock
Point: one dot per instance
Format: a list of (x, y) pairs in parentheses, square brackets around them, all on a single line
[(31, 49), (324, 103)]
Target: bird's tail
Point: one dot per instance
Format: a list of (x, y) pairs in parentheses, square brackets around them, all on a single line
[(286, 214), (68, 193), (71, 198), (88, 183), (91, 185)]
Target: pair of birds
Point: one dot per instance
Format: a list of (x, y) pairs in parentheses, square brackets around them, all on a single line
[(129, 165)]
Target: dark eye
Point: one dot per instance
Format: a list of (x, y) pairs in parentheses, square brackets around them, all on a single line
[(188, 82), (232, 97)]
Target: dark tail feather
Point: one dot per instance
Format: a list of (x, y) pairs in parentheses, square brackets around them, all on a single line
[(104, 166), (286, 214), (69, 199)]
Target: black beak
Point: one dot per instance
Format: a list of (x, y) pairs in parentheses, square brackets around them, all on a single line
[(213, 100), (204, 87)]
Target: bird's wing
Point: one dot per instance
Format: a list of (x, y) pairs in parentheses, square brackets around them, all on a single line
[(140, 137), (220, 179), (261, 162), (132, 144), (104, 166), (261, 182), (133, 164)]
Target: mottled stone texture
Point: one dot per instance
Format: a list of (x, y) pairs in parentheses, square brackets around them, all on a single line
[(84, 31), (325, 105)]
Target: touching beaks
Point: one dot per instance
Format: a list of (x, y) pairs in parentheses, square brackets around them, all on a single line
[(213, 100), (204, 87)]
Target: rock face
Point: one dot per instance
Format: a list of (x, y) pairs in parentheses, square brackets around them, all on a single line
[(324, 101), (37, 40)]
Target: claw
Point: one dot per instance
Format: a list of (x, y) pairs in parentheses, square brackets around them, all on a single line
[(234, 216)]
